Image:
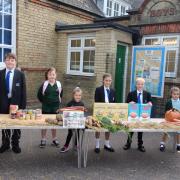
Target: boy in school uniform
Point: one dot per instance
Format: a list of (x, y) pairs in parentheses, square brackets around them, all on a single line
[(107, 95), (138, 96), (12, 92)]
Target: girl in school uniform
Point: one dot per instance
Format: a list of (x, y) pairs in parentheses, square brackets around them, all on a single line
[(76, 101), (174, 102), (50, 94)]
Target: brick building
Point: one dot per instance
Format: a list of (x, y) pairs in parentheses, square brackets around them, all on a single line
[(64, 34), (76, 38), (158, 22)]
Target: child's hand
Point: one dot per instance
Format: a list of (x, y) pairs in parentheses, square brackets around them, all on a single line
[(150, 103)]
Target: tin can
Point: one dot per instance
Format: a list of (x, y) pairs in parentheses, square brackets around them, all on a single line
[(28, 117)]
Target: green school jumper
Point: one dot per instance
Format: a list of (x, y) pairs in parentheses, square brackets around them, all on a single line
[(50, 99)]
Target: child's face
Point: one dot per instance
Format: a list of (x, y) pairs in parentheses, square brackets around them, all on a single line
[(77, 96), (140, 85), (107, 81), (10, 63), (175, 95), (51, 76)]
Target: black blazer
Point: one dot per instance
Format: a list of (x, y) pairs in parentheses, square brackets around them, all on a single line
[(168, 106), (18, 91), (100, 96), (132, 96)]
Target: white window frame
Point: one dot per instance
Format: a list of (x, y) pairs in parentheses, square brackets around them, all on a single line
[(175, 47), (81, 50), (115, 11), (13, 36), (109, 8)]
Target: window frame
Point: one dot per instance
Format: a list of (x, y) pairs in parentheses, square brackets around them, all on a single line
[(115, 10), (109, 9), (13, 32), (172, 47), (81, 50)]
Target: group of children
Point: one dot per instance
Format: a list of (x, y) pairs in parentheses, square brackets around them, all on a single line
[(50, 94)]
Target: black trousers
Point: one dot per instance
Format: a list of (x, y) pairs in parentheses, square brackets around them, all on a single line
[(69, 136), (13, 134), (8, 134), (139, 136)]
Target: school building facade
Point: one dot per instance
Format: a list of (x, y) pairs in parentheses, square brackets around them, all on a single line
[(77, 39)]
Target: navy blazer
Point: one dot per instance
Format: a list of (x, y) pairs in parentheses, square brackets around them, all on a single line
[(132, 96), (18, 91), (100, 96)]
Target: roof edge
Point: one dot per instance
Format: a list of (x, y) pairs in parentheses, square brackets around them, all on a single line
[(77, 8)]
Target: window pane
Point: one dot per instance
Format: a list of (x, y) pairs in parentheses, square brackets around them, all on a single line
[(75, 61), (1, 20), (7, 37), (170, 60), (7, 21), (88, 61), (0, 54), (152, 42), (0, 36), (90, 42), (170, 41), (6, 51), (76, 43), (0, 5), (8, 6)]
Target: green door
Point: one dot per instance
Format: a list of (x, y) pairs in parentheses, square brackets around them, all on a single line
[(119, 74)]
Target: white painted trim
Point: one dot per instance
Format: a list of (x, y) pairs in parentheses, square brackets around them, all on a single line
[(14, 26)]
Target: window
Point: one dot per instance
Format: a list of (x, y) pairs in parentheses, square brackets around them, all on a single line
[(81, 55), (109, 8), (123, 10), (172, 49), (116, 9), (7, 27)]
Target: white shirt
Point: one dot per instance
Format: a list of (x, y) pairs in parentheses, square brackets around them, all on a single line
[(10, 81), (141, 97), (106, 94)]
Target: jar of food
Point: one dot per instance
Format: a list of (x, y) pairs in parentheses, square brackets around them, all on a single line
[(28, 117), (38, 113)]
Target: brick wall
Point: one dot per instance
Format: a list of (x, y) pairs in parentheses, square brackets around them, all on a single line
[(105, 61), (37, 39)]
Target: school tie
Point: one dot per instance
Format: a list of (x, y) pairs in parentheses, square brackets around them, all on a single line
[(108, 93), (139, 98), (7, 81)]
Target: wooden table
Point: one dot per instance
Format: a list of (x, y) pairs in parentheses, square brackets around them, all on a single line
[(7, 123)]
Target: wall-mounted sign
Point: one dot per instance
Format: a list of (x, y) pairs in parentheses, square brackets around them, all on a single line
[(148, 62), (163, 12)]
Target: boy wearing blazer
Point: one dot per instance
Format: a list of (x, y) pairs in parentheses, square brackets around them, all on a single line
[(138, 96), (104, 94), (12, 92)]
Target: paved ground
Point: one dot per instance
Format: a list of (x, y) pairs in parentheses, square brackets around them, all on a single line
[(36, 163)]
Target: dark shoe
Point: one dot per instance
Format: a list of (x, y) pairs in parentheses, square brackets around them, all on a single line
[(16, 149), (162, 147), (178, 149), (110, 149), (97, 150), (127, 146), (43, 144), (141, 148), (64, 149), (55, 143), (4, 148)]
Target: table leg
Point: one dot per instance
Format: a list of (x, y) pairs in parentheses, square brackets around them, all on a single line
[(86, 147), (174, 142), (79, 145)]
